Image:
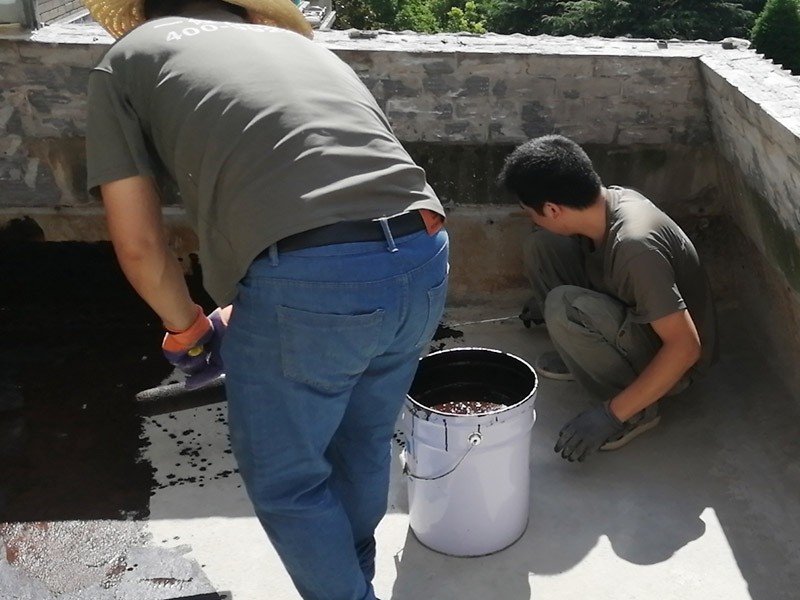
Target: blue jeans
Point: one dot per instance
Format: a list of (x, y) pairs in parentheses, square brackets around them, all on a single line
[(321, 349)]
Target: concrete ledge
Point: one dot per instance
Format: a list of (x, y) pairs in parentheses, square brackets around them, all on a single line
[(487, 239), (86, 225)]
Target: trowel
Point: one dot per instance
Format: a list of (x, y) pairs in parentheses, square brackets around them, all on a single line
[(172, 397)]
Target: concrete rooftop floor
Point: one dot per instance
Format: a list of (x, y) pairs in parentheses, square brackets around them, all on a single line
[(705, 506)]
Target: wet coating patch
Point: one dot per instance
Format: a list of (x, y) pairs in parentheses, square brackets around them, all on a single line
[(77, 343), (399, 438), (201, 451), (443, 332)]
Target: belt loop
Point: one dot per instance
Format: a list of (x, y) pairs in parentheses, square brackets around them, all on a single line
[(273, 255), (391, 246)]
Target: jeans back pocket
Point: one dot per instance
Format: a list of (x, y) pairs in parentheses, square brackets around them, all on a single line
[(327, 351)]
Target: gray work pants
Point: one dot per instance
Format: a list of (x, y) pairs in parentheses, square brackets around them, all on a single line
[(592, 332)]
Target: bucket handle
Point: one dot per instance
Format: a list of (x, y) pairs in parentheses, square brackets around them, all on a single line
[(474, 439)]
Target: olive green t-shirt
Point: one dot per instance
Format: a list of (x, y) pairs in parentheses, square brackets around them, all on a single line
[(264, 132), (650, 264)]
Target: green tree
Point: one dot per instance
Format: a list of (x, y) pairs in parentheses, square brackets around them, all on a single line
[(365, 14), (608, 18), (754, 6), (776, 33), (416, 15), (428, 16), (684, 19), (468, 19), (521, 16), (707, 19)]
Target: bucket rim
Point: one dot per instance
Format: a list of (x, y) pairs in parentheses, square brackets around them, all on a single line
[(505, 408)]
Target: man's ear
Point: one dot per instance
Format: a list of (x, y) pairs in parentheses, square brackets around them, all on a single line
[(552, 210)]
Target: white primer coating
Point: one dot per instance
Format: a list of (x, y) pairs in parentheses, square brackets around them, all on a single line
[(469, 475)]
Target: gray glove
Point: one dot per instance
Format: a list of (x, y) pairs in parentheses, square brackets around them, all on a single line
[(531, 313), (584, 434)]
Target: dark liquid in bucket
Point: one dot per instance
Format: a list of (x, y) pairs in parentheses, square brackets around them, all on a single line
[(464, 399)]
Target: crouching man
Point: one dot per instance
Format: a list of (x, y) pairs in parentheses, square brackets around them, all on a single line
[(620, 287)]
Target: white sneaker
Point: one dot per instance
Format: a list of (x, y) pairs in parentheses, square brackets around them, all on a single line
[(550, 365), (640, 423)]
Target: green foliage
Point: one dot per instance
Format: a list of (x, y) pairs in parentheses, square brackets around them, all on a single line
[(684, 19), (521, 16), (365, 14), (754, 6), (469, 19), (776, 33), (608, 18), (416, 15), (427, 16)]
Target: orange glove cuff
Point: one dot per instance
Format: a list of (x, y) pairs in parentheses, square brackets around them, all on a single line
[(180, 341)]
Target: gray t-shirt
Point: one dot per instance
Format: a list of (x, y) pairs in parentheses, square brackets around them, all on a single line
[(651, 266), (264, 132)]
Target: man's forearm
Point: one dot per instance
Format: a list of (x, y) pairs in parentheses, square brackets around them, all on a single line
[(158, 278), (135, 225), (670, 363)]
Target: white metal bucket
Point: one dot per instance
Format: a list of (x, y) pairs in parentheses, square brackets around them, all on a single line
[(469, 475)]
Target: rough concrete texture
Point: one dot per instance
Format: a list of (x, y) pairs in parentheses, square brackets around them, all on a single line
[(94, 560), (442, 89)]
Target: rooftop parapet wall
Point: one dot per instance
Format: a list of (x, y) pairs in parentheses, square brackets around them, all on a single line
[(494, 89), (755, 112), (444, 89)]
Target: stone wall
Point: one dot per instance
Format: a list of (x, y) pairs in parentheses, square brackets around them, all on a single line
[(755, 114), (42, 123), (458, 102), (49, 11)]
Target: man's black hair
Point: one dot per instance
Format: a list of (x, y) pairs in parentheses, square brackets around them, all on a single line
[(154, 9), (553, 169)]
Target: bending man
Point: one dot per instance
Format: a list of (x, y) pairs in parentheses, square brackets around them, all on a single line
[(315, 224)]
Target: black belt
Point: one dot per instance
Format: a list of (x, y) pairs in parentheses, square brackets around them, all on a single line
[(344, 232)]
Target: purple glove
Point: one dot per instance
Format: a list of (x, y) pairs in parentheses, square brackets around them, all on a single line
[(219, 321), (196, 350), (531, 313), (584, 434)]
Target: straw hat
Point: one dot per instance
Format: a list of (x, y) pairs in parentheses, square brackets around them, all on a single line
[(120, 16)]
